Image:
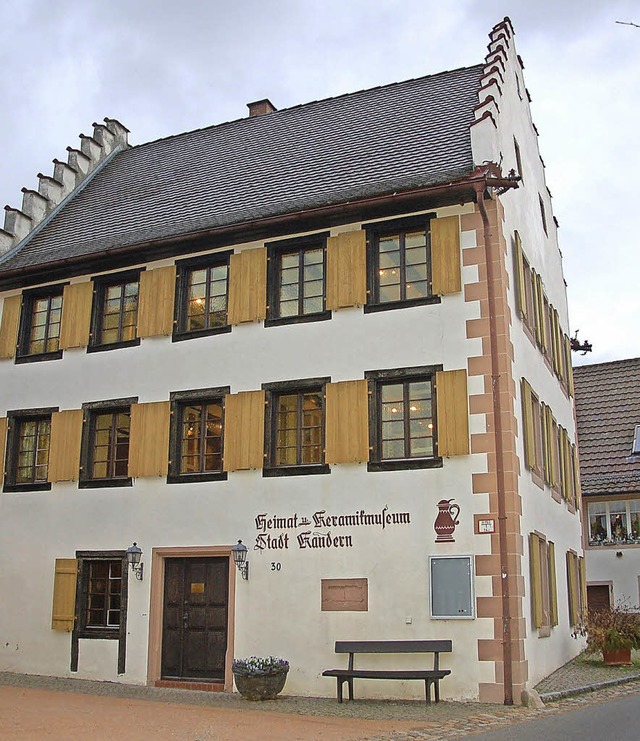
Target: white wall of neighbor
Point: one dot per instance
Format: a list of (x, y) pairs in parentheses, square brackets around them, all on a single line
[(604, 566)]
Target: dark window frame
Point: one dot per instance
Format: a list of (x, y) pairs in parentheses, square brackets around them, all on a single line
[(516, 149), (273, 392), (275, 252), (179, 400), (375, 231), (81, 630), (377, 379), (24, 331), (90, 411), (100, 284), (15, 419), (183, 269), (543, 214)]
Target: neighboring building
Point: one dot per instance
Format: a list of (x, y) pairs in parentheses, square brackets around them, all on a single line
[(608, 413), (338, 332)]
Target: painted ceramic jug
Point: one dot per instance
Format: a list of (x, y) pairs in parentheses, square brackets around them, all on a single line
[(446, 521)]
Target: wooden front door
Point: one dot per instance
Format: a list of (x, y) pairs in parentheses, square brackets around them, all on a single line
[(194, 621)]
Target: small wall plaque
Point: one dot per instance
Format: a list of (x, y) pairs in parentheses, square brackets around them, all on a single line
[(484, 524), (197, 588)]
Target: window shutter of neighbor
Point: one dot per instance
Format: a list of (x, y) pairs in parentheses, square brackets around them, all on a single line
[(347, 270), (64, 594), (157, 292), (149, 439), (3, 445), (248, 286), (519, 269), (77, 300), (244, 430), (347, 433), (9, 326), (446, 274), (553, 584), (64, 450), (453, 416), (536, 580), (527, 419)]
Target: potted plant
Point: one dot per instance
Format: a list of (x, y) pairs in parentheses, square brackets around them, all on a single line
[(613, 631), (260, 678)]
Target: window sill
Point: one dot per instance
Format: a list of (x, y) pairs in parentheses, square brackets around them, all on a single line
[(300, 319), (39, 358), (112, 634), (16, 488), (372, 308), (404, 465), (296, 470), (195, 478), (192, 335), (114, 345), (104, 483)]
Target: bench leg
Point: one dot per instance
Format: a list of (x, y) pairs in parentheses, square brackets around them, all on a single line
[(437, 689), (339, 680), (427, 690), (350, 683)]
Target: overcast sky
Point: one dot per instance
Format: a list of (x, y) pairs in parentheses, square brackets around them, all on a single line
[(163, 67)]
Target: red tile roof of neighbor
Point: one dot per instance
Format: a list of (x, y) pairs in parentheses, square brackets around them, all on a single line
[(608, 409)]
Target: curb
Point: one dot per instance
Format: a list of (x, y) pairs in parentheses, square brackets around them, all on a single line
[(560, 694)]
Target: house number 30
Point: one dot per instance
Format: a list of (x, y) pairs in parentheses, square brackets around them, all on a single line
[(276, 566)]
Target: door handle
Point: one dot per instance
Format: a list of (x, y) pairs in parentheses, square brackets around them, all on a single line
[(185, 619)]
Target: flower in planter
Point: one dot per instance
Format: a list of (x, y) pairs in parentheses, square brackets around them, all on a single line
[(260, 666), (610, 629)]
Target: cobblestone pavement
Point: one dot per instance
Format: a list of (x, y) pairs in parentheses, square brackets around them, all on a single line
[(285, 718)]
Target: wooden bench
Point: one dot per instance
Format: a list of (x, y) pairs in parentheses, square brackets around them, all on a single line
[(431, 677)]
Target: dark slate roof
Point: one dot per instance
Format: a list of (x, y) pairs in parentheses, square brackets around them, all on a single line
[(608, 409), (397, 137)]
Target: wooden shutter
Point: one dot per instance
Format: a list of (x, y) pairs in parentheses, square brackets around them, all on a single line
[(572, 583), (244, 430), (248, 286), (77, 301), (3, 445), (538, 296), (9, 326), (149, 439), (64, 594), (521, 296), (446, 276), (567, 352), (553, 583), (575, 468), (155, 310), (347, 270), (347, 433), (527, 424), (453, 416), (536, 580), (582, 573), (64, 450)]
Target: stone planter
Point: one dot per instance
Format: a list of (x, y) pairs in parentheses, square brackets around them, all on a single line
[(619, 657), (260, 686)]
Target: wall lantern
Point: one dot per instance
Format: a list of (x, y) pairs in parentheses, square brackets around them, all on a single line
[(134, 554), (240, 559)]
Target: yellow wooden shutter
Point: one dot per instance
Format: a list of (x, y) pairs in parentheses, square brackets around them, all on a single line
[(536, 580), (347, 434), (64, 450), (9, 326), (347, 270), (582, 572), (575, 467), (538, 295), (527, 423), (572, 583), (64, 594), (553, 583), (77, 301), (453, 415), (521, 296), (155, 310), (248, 286), (567, 352), (149, 439), (244, 430), (3, 445), (446, 276)]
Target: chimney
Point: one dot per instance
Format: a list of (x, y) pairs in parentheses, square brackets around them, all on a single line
[(260, 107)]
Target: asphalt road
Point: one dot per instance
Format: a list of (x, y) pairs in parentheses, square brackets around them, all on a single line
[(616, 719)]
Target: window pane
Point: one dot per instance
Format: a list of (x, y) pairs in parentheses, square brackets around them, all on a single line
[(393, 449), (389, 293)]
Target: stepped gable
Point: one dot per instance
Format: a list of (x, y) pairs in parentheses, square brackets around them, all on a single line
[(608, 409), (380, 141), (68, 177)]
